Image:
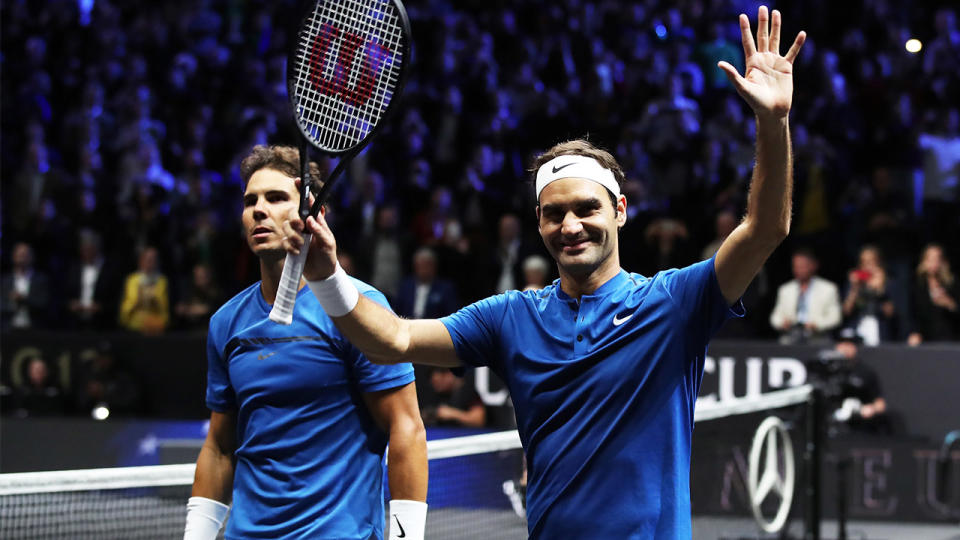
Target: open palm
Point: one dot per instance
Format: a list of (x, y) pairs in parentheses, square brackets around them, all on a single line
[(767, 85)]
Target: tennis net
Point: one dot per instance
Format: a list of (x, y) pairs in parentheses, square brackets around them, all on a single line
[(475, 488)]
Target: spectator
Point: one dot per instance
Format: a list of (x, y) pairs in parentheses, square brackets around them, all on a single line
[(536, 272), (145, 306), (39, 395), (202, 298), (382, 255), (491, 89), (25, 292), (508, 255), (941, 174), (863, 407), (106, 386), (808, 306), (91, 288), (455, 402), (867, 305), (725, 223), (423, 295), (935, 299), (667, 245)]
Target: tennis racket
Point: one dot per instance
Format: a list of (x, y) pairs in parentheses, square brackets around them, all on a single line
[(344, 73)]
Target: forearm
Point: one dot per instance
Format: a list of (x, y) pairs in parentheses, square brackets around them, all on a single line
[(385, 338), (407, 462), (767, 222), (769, 199), (213, 478)]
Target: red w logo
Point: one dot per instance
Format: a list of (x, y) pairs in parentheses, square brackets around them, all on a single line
[(374, 56)]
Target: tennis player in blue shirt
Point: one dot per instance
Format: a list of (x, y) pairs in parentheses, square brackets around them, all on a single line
[(603, 366), (300, 419)]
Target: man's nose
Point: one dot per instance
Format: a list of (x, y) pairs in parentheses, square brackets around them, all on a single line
[(571, 225), (260, 209)]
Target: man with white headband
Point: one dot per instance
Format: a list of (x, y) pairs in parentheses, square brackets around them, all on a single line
[(603, 365)]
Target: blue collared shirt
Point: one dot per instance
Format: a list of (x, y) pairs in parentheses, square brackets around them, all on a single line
[(309, 453), (604, 392)]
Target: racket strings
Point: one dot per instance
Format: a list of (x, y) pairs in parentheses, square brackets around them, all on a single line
[(347, 68)]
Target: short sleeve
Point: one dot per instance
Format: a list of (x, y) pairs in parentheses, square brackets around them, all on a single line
[(220, 393), (372, 377), (697, 294), (474, 330)]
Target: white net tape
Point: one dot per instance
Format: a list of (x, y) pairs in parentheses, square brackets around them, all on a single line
[(347, 66)]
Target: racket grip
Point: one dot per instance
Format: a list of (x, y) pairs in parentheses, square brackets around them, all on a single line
[(282, 311)]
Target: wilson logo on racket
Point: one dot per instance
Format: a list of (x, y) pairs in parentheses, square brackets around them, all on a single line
[(375, 55)]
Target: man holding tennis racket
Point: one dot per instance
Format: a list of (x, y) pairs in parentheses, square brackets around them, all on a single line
[(603, 366), (300, 418)]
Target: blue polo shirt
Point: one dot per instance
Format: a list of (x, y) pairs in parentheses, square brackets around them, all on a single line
[(309, 458), (604, 392)]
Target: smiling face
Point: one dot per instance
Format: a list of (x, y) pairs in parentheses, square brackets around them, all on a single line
[(578, 224), (269, 199)]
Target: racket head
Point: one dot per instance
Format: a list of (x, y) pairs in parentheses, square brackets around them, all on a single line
[(346, 69)]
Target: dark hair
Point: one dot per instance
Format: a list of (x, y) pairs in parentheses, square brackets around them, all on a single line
[(582, 147), (806, 252), (283, 159)]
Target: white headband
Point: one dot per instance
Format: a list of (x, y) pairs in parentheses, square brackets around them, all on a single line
[(573, 166)]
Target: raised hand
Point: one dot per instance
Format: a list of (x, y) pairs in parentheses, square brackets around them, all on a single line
[(322, 256), (767, 85)]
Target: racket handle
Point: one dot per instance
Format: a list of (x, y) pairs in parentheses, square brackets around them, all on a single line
[(286, 299)]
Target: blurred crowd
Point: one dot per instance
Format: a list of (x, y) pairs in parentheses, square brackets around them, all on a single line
[(124, 123)]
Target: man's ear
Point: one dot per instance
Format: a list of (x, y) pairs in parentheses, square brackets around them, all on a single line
[(621, 211)]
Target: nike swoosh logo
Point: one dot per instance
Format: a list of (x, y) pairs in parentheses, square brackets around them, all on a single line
[(617, 321), (402, 533), (557, 169), (265, 356)]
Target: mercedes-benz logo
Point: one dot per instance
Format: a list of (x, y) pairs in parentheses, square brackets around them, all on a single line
[(771, 437)]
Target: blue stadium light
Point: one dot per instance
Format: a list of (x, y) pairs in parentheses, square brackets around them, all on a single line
[(661, 31)]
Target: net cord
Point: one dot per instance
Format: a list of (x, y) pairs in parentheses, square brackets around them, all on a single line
[(182, 474)]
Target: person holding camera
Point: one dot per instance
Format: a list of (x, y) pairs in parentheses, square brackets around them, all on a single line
[(862, 405), (867, 305)]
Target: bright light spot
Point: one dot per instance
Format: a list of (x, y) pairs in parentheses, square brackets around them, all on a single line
[(100, 412), (661, 31), (913, 45)]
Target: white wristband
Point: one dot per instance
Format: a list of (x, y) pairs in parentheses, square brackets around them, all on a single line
[(407, 519), (337, 294), (204, 518)]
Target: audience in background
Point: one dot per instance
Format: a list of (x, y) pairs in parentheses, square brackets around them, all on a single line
[(936, 299), (91, 288), (808, 306), (105, 385), (145, 306), (454, 402), (862, 405), (39, 395), (536, 272), (508, 255), (200, 300), (867, 305), (25, 292), (423, 295), (724, 224), (129, 118)]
